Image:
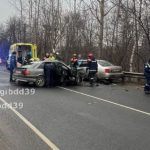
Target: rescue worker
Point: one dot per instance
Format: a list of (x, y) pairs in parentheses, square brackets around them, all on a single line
[(13, 64), (92, 66), (74, 64), (51, 57), (49, 73), (46, 56), (147, 72), (52, 75), (74, 61)]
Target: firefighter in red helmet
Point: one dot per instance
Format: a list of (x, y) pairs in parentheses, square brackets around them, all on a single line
[(92, 67)]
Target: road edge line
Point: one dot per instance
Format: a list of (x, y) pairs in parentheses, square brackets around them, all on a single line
[(107, 101), (32, 127)]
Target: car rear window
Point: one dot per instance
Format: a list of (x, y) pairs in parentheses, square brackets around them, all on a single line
[(104, 63), (31, 65)]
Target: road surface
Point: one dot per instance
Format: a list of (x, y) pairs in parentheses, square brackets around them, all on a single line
[(107, 117)]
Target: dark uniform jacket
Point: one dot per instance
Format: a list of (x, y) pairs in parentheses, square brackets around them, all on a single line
[(74, 62), (147, 70), (92, 65), (13, 62)]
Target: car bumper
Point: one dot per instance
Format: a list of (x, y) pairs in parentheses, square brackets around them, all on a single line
[(24, 79), (110, 76)]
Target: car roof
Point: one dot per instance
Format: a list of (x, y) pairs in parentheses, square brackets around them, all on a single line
[(45, 61), (49, 61)]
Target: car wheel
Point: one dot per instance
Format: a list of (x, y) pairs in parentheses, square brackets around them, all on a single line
[(40, 81)]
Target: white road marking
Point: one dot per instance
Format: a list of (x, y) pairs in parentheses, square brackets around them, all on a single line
[(107, 101), (32, 127)]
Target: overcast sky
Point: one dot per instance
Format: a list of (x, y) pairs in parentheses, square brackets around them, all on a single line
[(6, 10)]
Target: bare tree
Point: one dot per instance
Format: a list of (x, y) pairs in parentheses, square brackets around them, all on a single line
[(116, 30)]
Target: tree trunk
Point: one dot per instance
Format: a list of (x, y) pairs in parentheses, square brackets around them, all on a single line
[(100, 54), (132, 58)]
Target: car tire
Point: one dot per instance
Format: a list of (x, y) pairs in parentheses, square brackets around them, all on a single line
[(40, 81)]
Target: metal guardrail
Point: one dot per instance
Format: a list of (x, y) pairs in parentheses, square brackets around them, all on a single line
[(134, 77)]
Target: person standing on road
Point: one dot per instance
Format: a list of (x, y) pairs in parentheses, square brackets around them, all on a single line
[(147, 72), (13, 64), (74, 61), (49, 74), (92, 66), (46, 56), (74, 65), (52, 75)]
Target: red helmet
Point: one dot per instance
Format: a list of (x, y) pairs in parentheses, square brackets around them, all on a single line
[(90, 55)]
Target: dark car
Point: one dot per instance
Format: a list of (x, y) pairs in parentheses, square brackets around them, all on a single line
[(34, 73)]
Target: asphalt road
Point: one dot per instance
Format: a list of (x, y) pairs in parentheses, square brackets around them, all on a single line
[(107, 117)]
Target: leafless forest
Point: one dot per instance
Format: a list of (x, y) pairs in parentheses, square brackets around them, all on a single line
[(115, 30)]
